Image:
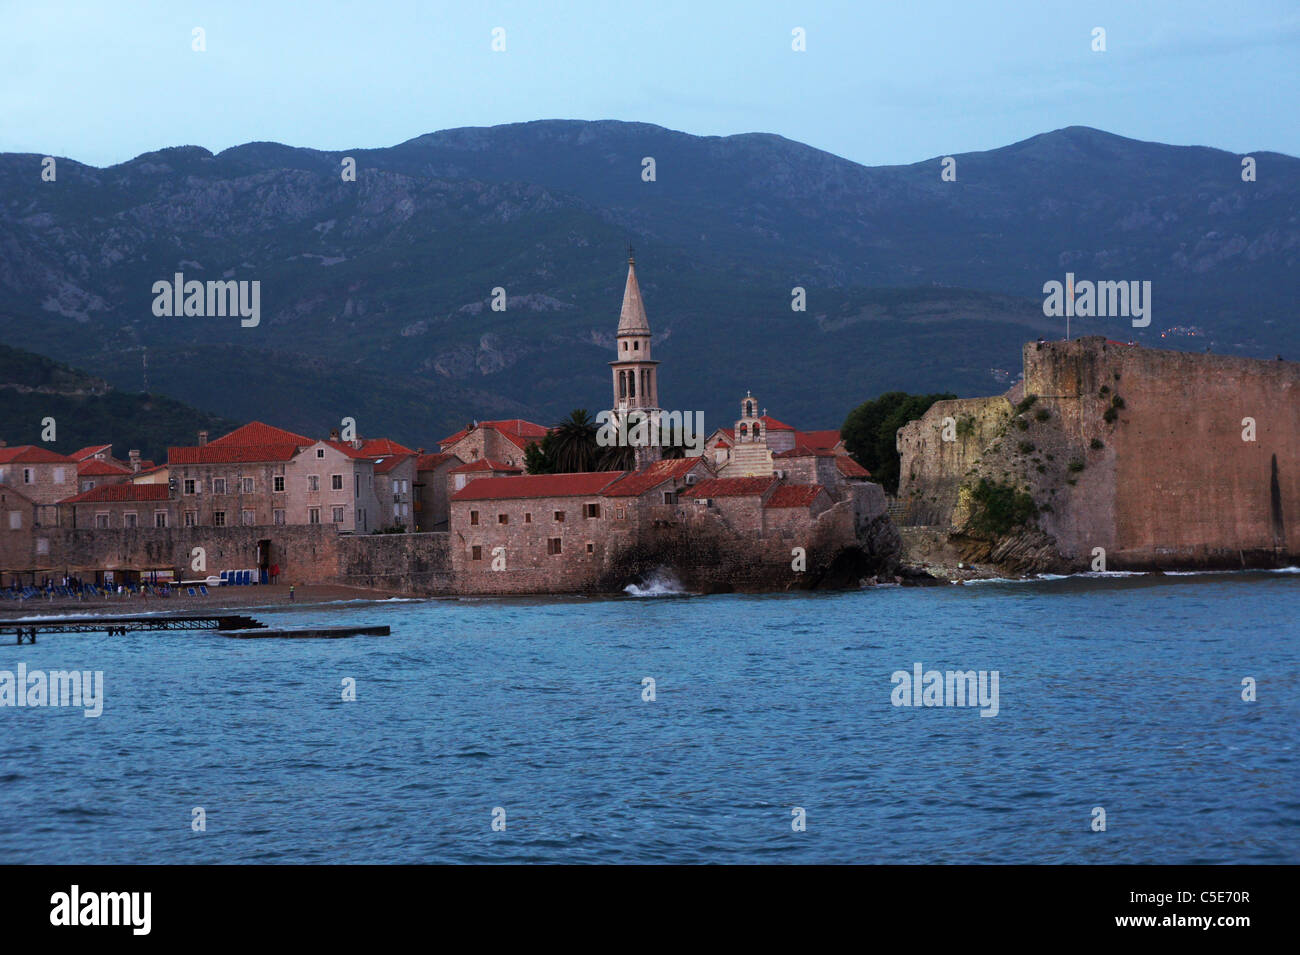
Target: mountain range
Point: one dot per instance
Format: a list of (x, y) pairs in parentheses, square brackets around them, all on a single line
[(376, 293)]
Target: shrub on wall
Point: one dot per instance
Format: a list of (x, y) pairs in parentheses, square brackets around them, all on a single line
[(998, 509)]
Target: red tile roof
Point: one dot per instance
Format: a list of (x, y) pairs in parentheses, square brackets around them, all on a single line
[(484, 464), (520, 432), (803, 451), (771, 424), (850, 468), (89, 451), (650, 477), (581, 484), (31, 454), (258, 433), (385, 464), (818, 439), (108, 493), (212, 453), (95, 467), (794, 495), (375, 447), (732, 487), (348, 449), (428, 462)]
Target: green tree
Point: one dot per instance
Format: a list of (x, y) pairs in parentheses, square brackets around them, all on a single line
[(871, 428)]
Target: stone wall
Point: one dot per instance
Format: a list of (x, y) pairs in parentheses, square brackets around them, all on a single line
[(1136, 451), (417, 564), (305, 554)]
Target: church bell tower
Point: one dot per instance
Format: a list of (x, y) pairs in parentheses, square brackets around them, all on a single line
[(636, 374)]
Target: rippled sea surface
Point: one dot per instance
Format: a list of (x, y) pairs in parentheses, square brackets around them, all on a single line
[(1122, 694)]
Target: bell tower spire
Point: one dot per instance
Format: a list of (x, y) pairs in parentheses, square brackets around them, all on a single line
[(636, 373)]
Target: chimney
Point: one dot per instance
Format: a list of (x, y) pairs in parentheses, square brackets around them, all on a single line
[(334, 434), (134, 457), (203, 438)]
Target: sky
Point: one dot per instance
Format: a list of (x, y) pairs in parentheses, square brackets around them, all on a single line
[(880, 81)]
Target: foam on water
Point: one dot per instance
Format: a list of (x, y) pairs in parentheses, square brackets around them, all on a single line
[(661, 583)]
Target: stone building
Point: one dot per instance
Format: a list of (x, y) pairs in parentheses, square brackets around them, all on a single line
[(530, 532), (433, 490), (121, 505), (93, 472), (332, 482), (395, 490), (239, 479), (498, 441), (40, 476)]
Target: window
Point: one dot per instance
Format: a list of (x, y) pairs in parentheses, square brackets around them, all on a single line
[(476, 552), (191, 518), (338, 515), (636, 346), (361, 517), (591, 510), (248, 485), (670, 497), (559, 517), (313, 482), (620, 513), (87, 485), (313, 515), (473, 518), (218, 485), (218, 518), (503, 518), (528, 517), (336, 482), (27, 476), (128, 519), (277, 483), (320, 452), (15, 520), (101, 519), (277, 515), (591, 547), (357, 491), (552, 545), (247, 518), (159, 518), (397, 510), (60, 475), (189, 485)]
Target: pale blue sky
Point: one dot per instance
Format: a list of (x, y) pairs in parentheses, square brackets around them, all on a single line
[(882, 81)]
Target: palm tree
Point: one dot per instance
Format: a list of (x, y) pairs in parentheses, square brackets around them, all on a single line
[(573, 443)]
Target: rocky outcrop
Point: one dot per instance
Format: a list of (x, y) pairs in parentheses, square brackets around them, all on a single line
[(1113, 456)]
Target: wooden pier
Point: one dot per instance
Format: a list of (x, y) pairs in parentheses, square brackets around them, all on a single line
[(232, 625), (311, 633)]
